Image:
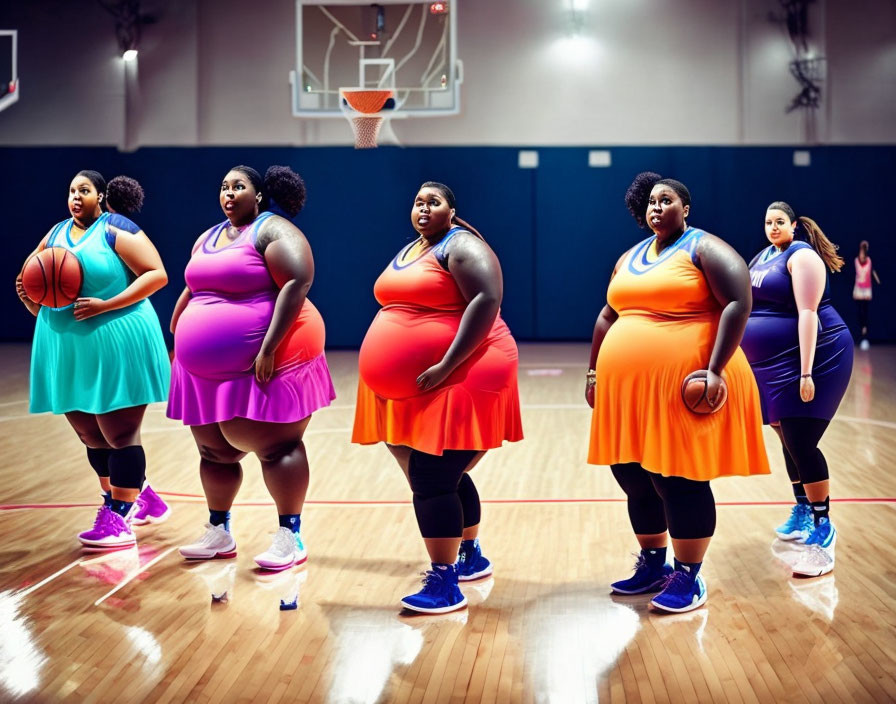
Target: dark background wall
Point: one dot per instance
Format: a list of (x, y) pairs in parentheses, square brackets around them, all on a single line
[(557, 229)]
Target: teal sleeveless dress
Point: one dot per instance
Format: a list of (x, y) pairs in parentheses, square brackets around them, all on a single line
[(110, 361)]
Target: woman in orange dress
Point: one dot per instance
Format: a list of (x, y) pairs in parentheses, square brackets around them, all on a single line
[(678, 302), (438, 385)]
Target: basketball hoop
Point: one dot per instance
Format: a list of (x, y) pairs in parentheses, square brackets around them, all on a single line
[(366, 110)]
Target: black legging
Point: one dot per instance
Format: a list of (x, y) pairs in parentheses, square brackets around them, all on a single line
[(445, 498), (862, 307), (684, 507), (800, 437)]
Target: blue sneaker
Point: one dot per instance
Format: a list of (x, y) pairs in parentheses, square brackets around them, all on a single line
[(471, 563), (681, 593), (799, 526), (817, 558), (440, 593), (646, 578)]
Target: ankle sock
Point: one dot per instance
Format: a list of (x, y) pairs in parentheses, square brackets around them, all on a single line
[(656, 557), (821, 510), (689, 568), (219, 518), (120, 507), (293, 521)]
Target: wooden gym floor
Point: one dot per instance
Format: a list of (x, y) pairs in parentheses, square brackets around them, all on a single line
[(140, 625)]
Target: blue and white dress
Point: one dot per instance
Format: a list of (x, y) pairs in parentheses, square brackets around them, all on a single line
[(772, 344)]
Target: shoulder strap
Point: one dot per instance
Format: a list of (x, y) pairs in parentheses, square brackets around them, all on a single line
[(439, 250)]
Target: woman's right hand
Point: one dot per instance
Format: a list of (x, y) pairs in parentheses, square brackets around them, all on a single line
[(589, 393), (33, 308), (20, 290)]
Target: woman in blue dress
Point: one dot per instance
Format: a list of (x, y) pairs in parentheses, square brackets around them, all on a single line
[(101, 359), (801, 354)]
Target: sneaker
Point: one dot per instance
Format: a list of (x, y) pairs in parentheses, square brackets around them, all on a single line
[(109, 531), (214, 544), (645, 579), (440, 593), (799, 526), (818, 556), (286, 550), (681, 593), (149, 508), (472, 564)]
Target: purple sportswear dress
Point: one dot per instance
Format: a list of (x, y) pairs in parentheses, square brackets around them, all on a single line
[(771, 343), (220, 332)]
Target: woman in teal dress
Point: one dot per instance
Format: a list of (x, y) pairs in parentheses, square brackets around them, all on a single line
[(101, 359)]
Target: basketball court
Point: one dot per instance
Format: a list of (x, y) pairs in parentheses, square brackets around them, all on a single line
[(143, 625)]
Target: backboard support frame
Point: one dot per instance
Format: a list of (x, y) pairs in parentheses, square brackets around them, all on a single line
[(453, 73)]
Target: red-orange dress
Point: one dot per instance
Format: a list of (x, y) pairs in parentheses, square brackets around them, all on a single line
[(667, 325), (476, 408)]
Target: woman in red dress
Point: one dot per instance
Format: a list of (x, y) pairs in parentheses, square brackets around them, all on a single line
[(438, 385)]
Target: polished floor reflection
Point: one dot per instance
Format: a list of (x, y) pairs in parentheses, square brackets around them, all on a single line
[(142, 625)]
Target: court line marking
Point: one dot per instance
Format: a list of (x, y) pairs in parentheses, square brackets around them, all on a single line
[(135, 573), (35, 587)]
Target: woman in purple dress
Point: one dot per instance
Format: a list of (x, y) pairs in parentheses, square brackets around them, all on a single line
[(801, 353), (249, 366)]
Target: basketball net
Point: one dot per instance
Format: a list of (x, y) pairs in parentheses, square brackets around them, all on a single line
[(363, 109)]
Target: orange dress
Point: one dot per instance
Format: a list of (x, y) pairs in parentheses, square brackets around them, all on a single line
[(668, 319), (476, 408)]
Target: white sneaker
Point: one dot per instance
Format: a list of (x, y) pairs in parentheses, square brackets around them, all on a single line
[(215, 543), (286, 550)]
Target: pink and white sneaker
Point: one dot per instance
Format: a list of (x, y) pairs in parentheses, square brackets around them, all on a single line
[(109, 531), (149, 508)]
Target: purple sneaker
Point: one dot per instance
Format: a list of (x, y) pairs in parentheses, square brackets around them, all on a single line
[(149, 508), (109, 531)]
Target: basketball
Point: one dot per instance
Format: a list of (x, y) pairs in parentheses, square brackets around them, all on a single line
[(52, 277), (693, 393)]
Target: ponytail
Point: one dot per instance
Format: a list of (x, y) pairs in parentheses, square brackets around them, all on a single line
[(467, 226), (826, 249)]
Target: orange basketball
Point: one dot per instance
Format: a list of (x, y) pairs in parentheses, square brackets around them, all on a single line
[(693, 393), (53, 277)]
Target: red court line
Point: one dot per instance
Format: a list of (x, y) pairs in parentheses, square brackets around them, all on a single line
[(848, 500)]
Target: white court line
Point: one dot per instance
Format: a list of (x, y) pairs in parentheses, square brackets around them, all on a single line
[(35, 587), (134, 573), (13, 403)]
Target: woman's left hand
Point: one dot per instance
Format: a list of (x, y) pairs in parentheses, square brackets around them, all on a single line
[(88, 307), (807, 389), (432, 377), (264, 367)]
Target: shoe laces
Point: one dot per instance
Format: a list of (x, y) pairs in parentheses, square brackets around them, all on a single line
[(820, 534), (432, 582), (210, 536), (284, 541), (677, 581)]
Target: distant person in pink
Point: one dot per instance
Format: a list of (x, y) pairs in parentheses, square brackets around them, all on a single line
[(861, 292), (249, 366)]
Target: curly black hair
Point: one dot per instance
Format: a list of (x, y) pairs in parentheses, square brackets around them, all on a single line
[(124, 195), (285, 188), (281, 185), (637, 194)]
